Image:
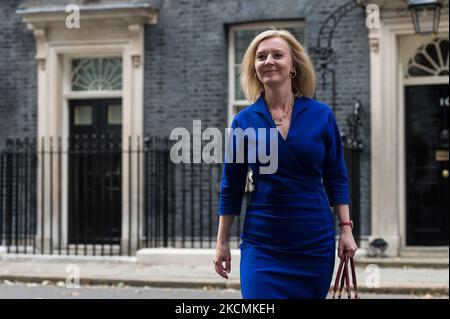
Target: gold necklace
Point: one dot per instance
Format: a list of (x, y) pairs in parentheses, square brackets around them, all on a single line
[(279, 121)]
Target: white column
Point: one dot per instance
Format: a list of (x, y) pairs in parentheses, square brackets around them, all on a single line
[(384, 140), (42, 193), (133, 125)]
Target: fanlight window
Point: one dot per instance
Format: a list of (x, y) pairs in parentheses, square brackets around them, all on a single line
[(96, 74), (431, 59)]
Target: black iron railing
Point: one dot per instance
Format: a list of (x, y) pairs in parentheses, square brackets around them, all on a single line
[(101, 196), (353, 148), (106, 196), (18, 178)]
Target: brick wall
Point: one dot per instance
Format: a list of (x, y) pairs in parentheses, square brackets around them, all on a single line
[(18, 115)]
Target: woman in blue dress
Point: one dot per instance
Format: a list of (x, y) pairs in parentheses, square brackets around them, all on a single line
[(288, 240)]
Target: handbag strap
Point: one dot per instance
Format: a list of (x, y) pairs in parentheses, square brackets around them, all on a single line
[(337, 279), (342, 277), (355, 284)]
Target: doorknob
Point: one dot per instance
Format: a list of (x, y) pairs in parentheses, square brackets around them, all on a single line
[(445, 173)]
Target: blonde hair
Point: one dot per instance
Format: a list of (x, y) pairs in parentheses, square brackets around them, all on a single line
[(303, 84)]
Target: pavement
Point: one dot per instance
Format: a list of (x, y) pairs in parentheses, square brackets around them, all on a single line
[(375, 275)]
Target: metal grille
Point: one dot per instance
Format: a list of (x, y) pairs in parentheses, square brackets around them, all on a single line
[(75, 198)]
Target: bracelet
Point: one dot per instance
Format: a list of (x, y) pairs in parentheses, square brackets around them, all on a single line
[(349, 223)]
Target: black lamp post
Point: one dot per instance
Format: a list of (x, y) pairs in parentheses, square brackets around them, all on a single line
[(425, 15)]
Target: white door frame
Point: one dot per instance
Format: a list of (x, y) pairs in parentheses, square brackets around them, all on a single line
[(388, 189), (407, 51), (103, 32)]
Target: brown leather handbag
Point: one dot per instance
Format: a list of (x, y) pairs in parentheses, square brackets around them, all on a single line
[(343, 276)]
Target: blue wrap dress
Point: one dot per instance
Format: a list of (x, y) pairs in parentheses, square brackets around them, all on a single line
[(288, 239)]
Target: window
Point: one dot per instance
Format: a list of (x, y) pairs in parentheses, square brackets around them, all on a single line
[(239, 38), (83, 115), (430, 59), (114, 114), (96, 74)]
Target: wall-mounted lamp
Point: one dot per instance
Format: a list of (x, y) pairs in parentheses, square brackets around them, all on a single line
[(425, 15)]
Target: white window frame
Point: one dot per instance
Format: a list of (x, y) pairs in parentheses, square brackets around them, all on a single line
[(68, 93), (425, 79)]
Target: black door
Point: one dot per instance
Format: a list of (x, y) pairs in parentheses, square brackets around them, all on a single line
[(95, 196), (427, 165)]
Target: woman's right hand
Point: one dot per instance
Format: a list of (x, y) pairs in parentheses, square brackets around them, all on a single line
[(223, 254)]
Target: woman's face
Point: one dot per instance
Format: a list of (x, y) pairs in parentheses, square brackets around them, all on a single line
[(273, 62)]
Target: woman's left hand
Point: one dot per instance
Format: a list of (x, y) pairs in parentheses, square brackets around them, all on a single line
[(347, 243)]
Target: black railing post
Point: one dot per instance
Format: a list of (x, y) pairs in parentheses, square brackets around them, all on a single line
[(151, 193), (192, 205), (158, 181), (200, 187), (154, 193), (86, 179), (172, 199), (110, 201), (77, 190), (210, 210), (146, 190), (2, 195), (42, 193), (355, 200), (354, 147), (34, 194), (95, 174), (165, 211), (26, 194), (183, 205), (16, 181), (138, 177), (129, 194), (103, 177), (9, 198), (51, 195), (60, 151)]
